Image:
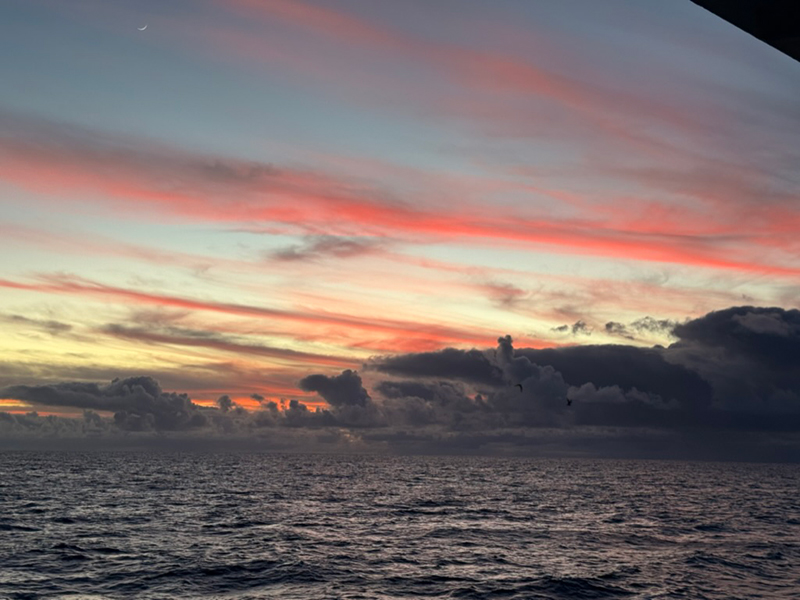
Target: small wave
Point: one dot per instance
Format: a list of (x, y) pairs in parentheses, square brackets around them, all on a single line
[(64, 520), (107, 550), (545, 587), (580, 587), (711, 527), (243, 524), (704, 559), (17, 527), (69, 547), (626, 571), (490, 536)]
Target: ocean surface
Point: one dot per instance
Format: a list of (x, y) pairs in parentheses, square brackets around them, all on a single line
[(179, 525)]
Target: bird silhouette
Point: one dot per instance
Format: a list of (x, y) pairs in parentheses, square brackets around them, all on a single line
[(569, 401), (519, 385)]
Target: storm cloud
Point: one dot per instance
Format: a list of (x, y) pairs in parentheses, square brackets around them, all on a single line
[(450, 363), (730, 378), (734, 369), (749, 355)]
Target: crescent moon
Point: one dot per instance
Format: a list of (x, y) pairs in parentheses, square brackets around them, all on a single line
[(142, 28)]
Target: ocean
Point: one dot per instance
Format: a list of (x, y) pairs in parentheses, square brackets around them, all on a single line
[(95, 525)]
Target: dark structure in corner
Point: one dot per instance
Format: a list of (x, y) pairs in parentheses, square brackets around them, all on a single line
[(775, 22)]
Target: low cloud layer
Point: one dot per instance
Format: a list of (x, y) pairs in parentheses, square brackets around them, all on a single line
[(138, 403), (733, 370), (730, 379)]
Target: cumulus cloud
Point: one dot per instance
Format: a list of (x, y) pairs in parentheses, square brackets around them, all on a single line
[(613, 394), (141, 407), (453, 400), (342, 390), (225, 403), (646, 325), (543, 392), (663, 326), (440, 393), (138, 402), (419, 403), (579, 327), (618, 329), (31, 424), (350, 403)]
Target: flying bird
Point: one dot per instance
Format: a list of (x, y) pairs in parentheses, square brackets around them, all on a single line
[(519, 385), (142, 28), (569, 401)]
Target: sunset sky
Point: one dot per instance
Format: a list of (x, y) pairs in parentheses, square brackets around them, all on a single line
[(247, 194)]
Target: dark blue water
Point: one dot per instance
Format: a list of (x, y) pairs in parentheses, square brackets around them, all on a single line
[(138, 525)]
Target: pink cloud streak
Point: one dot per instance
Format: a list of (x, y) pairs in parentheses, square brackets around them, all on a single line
[(181, 185)]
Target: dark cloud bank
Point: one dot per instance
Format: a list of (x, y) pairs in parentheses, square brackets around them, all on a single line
[(728, 388)]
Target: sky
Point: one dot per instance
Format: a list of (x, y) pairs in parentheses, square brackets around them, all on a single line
[(358, 225)]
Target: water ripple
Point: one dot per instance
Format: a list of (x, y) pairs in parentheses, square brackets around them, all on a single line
[(157, 526)]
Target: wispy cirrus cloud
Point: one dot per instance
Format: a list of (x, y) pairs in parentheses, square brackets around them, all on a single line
[(176, 336), (51, 326), (483, 72), (423, 333)]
